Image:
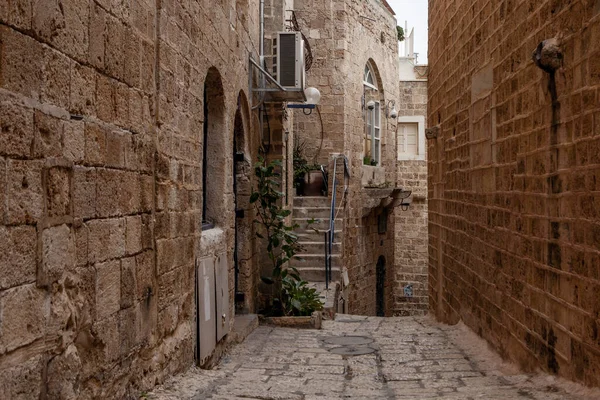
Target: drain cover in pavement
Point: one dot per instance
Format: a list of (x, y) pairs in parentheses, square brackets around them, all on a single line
[(348, 340), (352, 351)]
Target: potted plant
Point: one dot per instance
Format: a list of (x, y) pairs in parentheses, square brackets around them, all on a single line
[(308, 178), (291, 295)]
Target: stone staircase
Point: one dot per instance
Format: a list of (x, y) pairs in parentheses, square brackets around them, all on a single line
[(312, 238)]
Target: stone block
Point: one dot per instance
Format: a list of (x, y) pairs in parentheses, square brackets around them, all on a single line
[(105, 98), (128, 332), (16, 130), (74, 141), (24, 311), (17, 255), (114, 48), (64, 23), (58, 191), (95, 144), (106, 239), (84, 192), (107, 333), (63, 375), (17, 13), (23, 381), (21, 64), (82, 93), (58, 253), (117, 142), (48, 135), (144, 275), (132, 60), (97, 29), (81, 233), (56, 80), (128, 282), (133, 242), (108, 289), (25, 193), (3, 190)]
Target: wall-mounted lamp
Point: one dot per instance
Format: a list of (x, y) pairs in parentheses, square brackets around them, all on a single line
[(313, 98), (390, 110), (402, 198)]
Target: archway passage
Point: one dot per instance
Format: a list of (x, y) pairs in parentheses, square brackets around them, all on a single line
[(380, 286), (242, 170)]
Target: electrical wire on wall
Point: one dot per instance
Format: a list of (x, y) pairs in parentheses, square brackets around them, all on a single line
[(322, 135)]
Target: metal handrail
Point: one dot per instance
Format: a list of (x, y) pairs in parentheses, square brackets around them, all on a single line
[(330, 234)]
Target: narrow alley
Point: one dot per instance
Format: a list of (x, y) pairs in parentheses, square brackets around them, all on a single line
[(366, 358)]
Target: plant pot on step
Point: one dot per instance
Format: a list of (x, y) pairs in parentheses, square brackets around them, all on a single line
[(314, 183)]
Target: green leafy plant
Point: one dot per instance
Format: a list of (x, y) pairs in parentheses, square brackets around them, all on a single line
[(366, 160), (400, 32), (301, 165), (291, 294)]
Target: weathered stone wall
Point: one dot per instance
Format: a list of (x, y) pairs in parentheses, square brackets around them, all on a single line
[(514, 245), (344, 36), (101, 121), (411, 262)]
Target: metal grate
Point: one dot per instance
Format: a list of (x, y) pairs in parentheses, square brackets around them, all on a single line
[(295, 27)]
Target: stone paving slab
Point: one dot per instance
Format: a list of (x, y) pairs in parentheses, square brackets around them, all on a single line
[(414, 358)]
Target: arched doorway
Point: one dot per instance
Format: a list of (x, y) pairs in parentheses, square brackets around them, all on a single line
[(380, 286), (242, 170)]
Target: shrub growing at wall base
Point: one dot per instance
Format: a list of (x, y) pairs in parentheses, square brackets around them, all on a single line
[(291, 294)]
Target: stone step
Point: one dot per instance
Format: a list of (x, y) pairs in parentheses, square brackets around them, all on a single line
[(312, 201), (314, 274), (319, 247), (321, 224), (315, 261), (312, 212), (312, 236)]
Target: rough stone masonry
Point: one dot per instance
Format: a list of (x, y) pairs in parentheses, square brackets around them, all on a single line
[(101, 199), (514, 231)]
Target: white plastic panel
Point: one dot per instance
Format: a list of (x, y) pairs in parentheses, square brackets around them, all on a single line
[(222, 295), (206, 306)]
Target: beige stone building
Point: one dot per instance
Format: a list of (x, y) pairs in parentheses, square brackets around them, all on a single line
[(514, 244), (411, 262), (356, 68)]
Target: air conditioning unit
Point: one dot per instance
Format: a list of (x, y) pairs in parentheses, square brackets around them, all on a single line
[(288, 60)]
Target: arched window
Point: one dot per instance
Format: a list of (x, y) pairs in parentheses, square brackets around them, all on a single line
[(372, 117)]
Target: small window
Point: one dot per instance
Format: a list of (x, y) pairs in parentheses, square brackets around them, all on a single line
[(411, 138)]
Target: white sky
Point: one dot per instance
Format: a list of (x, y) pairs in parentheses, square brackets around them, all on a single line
[(415, 13)]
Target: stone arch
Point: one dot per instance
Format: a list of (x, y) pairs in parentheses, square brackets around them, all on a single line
[(214, 151), (380, 89), (245, 278)]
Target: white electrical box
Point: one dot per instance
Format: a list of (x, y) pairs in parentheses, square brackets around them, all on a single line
[(288, 60)]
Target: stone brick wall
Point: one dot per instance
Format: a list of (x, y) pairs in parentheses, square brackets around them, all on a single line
[(344, 36), (514, 246), (101, 121), (411, 253)]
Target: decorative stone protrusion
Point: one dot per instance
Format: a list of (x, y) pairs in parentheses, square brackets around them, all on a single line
[(548, 55), (433, 132)]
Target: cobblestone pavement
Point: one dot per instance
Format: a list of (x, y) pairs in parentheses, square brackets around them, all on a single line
[(406, 358)]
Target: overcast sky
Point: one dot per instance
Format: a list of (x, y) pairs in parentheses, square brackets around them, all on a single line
[(415, 13)]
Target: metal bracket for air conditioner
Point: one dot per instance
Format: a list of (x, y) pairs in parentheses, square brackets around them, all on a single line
[(262, 89)]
